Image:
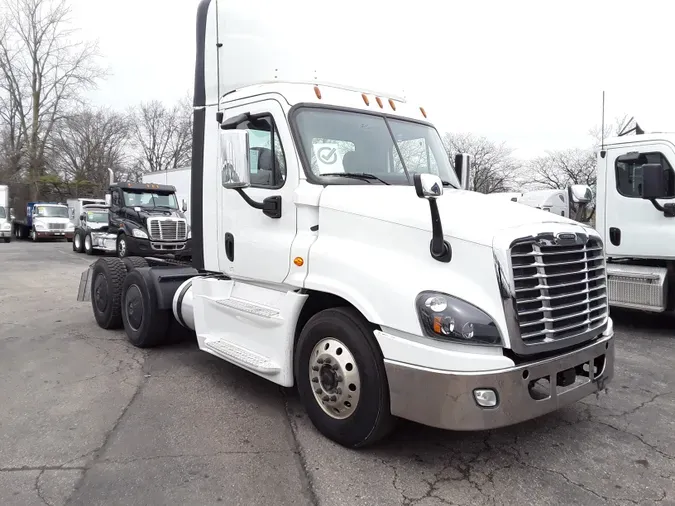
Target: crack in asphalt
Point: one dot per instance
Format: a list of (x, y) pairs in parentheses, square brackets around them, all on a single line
[(299, 450), (193, 455), (145, 374)]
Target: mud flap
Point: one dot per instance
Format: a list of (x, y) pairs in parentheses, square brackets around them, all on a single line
[(84, 290)]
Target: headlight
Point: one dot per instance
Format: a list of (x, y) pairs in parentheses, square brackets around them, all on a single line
[(6, 226), (70, 226), (447, 318), (39, 225), (137, 232), (189, 236)]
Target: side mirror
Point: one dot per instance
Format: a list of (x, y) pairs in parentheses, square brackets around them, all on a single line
[(654, 185), (108, 199), (463, 169), (11, 213), (428, 186), (82, 216), (184, 207), (581, 194), (234, 159)]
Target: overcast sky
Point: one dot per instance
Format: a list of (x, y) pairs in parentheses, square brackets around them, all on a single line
[(527, 72)]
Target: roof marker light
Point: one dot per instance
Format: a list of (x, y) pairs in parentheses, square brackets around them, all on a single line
[(317, 92), (365, 98), (379, 101), (392, 104), (424, 113)]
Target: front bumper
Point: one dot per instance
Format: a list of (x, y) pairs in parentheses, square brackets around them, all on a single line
[(145, 247), (445, 399), (5, 233), (55, 234)]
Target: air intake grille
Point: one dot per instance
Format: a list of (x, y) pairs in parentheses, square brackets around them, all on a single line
[(57, 226), (561, 291), (163, 229)]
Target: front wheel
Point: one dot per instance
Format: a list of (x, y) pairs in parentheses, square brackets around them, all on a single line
[(341, 379), (77, 242), (88, 244), (7, 239), (122, 247)]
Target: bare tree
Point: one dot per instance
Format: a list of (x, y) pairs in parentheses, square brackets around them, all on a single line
[(43, 71), (618, 125), (87, 144), (560, 169), (494, 169), (163, 135)]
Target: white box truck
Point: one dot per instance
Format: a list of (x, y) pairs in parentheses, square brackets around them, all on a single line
[(381, 290)]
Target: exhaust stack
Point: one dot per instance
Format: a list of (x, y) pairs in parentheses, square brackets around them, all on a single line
[(112, 176)]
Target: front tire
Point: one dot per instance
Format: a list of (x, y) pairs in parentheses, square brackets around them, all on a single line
[(122, 246), (106, 292), (146, 325), (341, 379)]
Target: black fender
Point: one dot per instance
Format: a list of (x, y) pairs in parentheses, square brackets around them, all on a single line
[(165, 280)]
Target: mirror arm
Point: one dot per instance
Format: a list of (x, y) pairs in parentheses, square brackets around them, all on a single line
[(440, 248), (271, 206), (668, 210)]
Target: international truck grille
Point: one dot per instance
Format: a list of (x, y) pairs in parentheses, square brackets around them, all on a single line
[(162, 229), (561, 290), (57, 226)]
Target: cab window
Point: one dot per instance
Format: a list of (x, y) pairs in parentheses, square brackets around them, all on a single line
[(629, 173)]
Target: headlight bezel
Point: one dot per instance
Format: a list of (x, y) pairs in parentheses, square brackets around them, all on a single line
[(454, 318)]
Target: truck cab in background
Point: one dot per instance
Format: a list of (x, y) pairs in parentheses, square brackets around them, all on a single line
[(635, 216), (145, 219), (43, 220), (5, 215)]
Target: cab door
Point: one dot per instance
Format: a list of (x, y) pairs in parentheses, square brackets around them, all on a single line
[(252, 245), (634, 228)]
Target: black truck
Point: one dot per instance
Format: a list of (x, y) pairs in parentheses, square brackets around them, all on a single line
[(144, 219)]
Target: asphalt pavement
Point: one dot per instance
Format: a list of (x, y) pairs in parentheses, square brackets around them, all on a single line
[(87, 419)]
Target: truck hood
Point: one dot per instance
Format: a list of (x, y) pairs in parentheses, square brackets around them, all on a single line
[(146, 213), (465, 215)]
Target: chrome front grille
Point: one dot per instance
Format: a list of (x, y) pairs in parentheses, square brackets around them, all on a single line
[(167, 229), (560, 289), (57, 226)]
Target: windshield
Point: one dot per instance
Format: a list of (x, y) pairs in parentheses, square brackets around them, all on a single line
[(3, 213), (345, 142), (97, 216), (150, 199), (51, 211)]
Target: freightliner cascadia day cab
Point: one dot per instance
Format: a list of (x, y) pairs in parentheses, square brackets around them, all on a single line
[(335, 250)]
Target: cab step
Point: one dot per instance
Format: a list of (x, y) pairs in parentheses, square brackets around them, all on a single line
[(241, 356)]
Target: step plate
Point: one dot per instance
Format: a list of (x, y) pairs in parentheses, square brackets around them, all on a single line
[(242, 356)]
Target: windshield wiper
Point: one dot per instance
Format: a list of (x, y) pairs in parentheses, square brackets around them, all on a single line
[(357, 175)]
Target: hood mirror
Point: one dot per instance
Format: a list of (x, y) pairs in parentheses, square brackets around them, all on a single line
[(184, 207), (581, 194), (430, 187), (463, 169)]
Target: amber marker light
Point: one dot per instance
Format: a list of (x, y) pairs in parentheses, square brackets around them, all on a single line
[(317, 92), (299, 261), (424, 113), (392, 104), (365, 99), (379, 101)]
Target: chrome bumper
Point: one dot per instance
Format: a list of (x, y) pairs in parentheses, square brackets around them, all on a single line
[(446, 399)]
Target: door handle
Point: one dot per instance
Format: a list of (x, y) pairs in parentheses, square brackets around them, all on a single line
[(229, 246), (615, 236)]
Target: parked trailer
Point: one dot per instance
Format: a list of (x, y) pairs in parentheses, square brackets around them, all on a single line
[(379, 291), (5, 216)]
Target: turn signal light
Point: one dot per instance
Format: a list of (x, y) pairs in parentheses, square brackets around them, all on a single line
[(299, 261)]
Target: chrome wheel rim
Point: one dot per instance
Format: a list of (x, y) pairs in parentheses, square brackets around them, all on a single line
[(78, 242), (123, 247), (87, 243), (334, 378)]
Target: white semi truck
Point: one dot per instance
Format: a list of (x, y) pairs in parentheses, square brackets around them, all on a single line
[(5, 215), (382, 290)]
